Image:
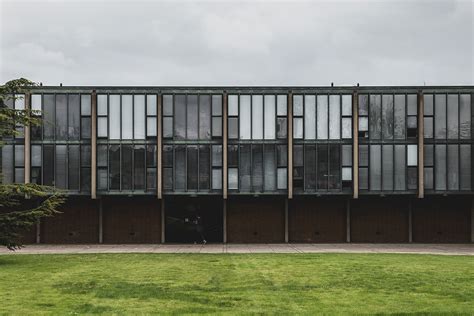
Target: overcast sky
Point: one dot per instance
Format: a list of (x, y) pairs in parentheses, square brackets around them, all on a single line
[(238, 43)]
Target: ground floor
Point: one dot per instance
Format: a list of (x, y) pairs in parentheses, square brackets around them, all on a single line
[(237, 220)]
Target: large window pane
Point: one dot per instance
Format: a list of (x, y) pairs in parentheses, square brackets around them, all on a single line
[(245, 117), (73, 165), (217, 155), (127, 117), (192, 167), (257, 117), (282, 179), (440, 167), (375, 167), (204, 117), (151, 127), (453, 116), (298, 128), (269, 117), (428, 178), (310, 167), (465, 165), (257, 168), (204, 168), (168, 104), (180, 170), (412, 155), (334, 117), (151, 104), (233, 106), (334, 180), (374, 118), (347, 127), (74, 117), (35, 156), (114, 117), (102, 104), (428, 127), (440, 116), (310, 117), (19, 155), (216, 179), (168, 127), (60, 179), (387, 116), (217, 105), (180, 117), (139, 167), (192, 122), (270, 168), (102, 127), (297, 105), (453, 167), (7, 164), (322, 119), (399, 117), (245, 168), (36, 102), (322, 168), (86, 128), (387, 165), (48, 165), (233, 128), (61, 117), (347, 155), (346, 105), (281, 127), (282, 105), (139, 117), (114, 167), (233, 178), (48, 116), (217, 126), (465, 116)]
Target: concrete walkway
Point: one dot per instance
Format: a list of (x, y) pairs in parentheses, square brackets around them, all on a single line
[(438, 249)]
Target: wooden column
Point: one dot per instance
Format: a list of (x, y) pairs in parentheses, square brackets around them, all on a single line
[(355, 144), (27, 159), (224, 221), (93, 145), (290, 145), (101, 222), (163, 221), (159, 188), (224, 145), (421, 154), (348, 220), (286, 221)]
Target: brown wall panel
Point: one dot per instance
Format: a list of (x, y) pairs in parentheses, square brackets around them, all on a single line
[(131, 220), (315, 219), (375, 219), (78, 223), (442, 219), (256, 220)]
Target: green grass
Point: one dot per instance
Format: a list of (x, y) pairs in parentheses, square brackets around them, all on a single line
[(247, 283)]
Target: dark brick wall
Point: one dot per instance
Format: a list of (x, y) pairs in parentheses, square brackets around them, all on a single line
[(131, 220), (78, 223), (442, 219), (380, 220), (315, 219), (256, 220)]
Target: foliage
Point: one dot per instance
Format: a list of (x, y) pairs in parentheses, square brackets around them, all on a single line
[(15, 215), (275, 284)]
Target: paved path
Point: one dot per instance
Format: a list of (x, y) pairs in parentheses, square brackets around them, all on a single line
[(438, 249)]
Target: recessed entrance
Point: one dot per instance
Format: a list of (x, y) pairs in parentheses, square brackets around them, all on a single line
[(193, 220)]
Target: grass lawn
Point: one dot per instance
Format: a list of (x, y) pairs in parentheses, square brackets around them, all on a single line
[(233, 283)]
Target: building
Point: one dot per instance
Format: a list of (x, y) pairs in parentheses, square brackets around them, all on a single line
[(251, 164)]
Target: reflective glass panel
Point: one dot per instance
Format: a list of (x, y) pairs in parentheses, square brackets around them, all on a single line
[(114, 117), (269, 117), (334, 117), (139, 117), (245, 117), (310, 117), (127, 117), (322, 117)]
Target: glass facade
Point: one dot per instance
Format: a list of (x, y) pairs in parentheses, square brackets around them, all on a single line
[(193, 145)]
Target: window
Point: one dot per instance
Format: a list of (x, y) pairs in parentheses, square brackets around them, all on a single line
[(151, 125), (85, 116), (139, 116)]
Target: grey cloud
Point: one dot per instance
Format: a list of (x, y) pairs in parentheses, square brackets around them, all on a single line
[(238, 43)]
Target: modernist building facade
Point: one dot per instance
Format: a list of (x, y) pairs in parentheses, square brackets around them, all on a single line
[(250, 164)]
